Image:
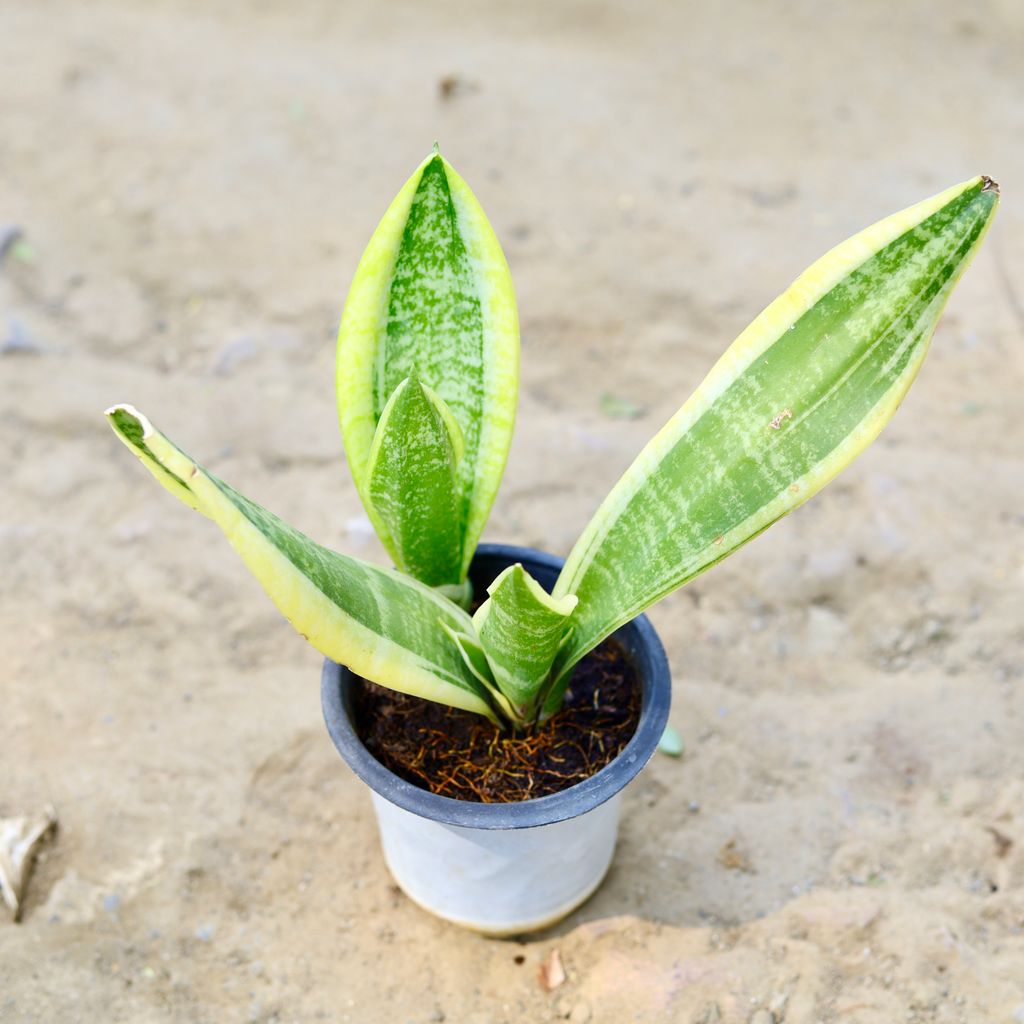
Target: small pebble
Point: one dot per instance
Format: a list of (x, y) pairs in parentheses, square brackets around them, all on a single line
[(762, 1017), (580, 1013), (232, 355), (18, 341), (10, 235), (711, 1015), (778, 1003)]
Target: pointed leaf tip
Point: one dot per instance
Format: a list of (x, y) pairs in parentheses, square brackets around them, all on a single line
[(166, 462), (129, 422)]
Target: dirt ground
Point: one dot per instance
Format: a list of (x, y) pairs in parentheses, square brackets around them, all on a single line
[(843, 840)]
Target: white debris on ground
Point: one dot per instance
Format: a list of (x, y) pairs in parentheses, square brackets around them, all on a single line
[(20, 840)]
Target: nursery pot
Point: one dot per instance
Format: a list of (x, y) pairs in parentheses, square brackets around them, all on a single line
[(505, 868)]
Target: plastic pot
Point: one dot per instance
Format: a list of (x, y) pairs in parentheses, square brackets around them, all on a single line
[(505, 869)]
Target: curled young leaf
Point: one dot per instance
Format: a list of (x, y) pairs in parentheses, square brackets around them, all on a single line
[(521, 627)]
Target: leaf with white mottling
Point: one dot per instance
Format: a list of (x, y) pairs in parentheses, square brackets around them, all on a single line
[(801, 392), (432, 299), (384, 626)]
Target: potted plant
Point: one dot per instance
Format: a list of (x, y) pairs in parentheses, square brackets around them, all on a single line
[(497, 700)]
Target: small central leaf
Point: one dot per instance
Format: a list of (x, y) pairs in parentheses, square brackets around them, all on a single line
[(413, 484), (521, 628)]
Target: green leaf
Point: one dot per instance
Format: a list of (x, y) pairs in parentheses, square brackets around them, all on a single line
[(802, 391), (411, 479), (382, 625), (671, 743), (476, 661), (520, 627), (617, 408), (432, 299)]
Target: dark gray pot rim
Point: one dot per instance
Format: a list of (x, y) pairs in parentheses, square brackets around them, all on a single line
[(640, 641)]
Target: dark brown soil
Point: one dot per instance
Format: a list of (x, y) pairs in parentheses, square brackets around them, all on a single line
[(459, 754)]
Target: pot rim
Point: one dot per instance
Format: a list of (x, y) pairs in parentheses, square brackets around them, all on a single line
[(643, 646)]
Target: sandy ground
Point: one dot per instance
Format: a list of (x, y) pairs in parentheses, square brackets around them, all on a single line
[(195, 183)]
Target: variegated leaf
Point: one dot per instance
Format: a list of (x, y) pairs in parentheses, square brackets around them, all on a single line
[(381, 624), (521, 627), (476, 661), (805, 388), (432, 299), (412, 483)]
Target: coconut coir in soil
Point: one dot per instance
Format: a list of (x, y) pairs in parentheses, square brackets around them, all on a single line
[(460, 754)]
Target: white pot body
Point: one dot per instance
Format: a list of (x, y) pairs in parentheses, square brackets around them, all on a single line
[(498, 881)]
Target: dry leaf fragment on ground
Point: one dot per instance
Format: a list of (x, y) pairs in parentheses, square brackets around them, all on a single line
[(20, 839), (732, 857), (1003, 842), (451, 86), (551, 973)]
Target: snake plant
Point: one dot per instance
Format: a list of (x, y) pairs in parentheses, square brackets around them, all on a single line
[(428, 356)]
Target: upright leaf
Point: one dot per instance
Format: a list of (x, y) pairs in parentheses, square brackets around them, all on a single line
[(805, 388), (520, 627), (382, 625), (432, 299), (412, 483)]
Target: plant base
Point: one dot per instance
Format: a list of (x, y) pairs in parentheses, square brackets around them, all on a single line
[(505, 868), (459, 754)]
